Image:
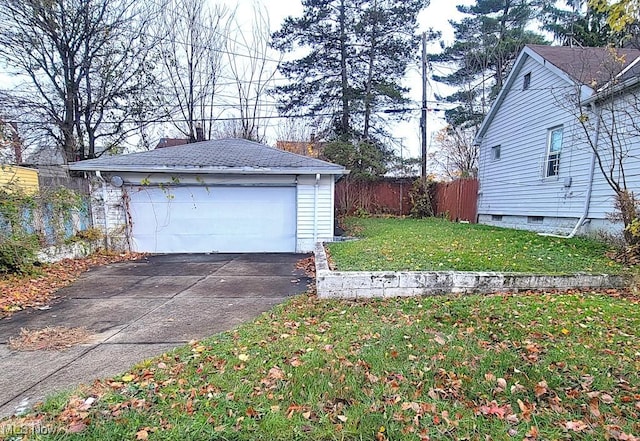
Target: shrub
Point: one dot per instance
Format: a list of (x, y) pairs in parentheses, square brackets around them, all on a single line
[(18, 253), (89, 235), (421, 198)]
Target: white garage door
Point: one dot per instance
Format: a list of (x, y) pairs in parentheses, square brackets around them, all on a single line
[(213, 219)]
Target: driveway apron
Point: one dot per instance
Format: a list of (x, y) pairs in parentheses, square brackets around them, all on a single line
[(136, 310)]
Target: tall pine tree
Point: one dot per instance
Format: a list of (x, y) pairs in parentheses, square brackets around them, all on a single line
[(487, 42), (578, 24), (357, 52)]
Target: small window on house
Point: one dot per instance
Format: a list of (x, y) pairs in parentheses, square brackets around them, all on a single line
[(495, 152), (554, 148), (535, 219), (496, 217), (526, 82)]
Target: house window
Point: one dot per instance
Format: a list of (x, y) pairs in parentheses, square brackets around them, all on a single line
[(535, 219), (554, 148), (495, 152), (526, 82)]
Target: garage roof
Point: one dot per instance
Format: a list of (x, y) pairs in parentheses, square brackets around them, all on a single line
[(218, 156)]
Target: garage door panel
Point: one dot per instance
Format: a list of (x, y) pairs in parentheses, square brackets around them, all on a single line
[(217, 219)]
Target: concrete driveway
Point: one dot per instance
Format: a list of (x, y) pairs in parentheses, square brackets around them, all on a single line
[(139, 309)]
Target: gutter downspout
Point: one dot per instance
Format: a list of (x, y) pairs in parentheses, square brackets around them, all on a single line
[(587, 198), (104, 208), (315, 209)]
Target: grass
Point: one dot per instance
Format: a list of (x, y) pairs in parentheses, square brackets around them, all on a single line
[(435, 368), (396, 244)]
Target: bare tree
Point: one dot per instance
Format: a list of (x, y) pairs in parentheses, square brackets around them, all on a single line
[(192, 40), (86, 68), (457, 155), (611, 125), (252, 65)]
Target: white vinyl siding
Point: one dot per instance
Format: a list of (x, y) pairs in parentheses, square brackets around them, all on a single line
[(515, 185), (306, 215), (627, 142)]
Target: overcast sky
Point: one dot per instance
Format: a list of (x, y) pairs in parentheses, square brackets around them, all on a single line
[(436, 16)]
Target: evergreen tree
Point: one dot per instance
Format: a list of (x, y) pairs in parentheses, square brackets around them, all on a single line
[(487, 42), (575, 24), (357, 54)]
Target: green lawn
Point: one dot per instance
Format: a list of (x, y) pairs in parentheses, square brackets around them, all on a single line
[(434, 244), (534, 367)]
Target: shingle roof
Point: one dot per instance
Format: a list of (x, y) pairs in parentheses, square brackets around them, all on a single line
[(592, 66), (219, 156)]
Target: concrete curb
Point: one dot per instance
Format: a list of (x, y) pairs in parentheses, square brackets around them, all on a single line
[(370, 284)]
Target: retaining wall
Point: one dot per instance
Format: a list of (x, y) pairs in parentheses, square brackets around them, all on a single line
[(368, 284)]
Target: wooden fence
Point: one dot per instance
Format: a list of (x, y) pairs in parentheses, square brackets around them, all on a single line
[(387, 196), (456, 200)]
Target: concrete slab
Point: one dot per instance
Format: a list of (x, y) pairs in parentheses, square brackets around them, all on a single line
[(193, 258), (225, 286), (21, 370), (246, 268), (140, 309), (162, 286), (98, 362), (95, 315), (177, 321), (98, 286), (151, 268), (287, 258)]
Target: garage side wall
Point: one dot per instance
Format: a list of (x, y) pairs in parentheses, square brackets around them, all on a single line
[(108, 212), (315, 212)]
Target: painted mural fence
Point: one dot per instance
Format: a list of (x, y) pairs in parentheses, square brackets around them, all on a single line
[(52, 216), (455, 200)]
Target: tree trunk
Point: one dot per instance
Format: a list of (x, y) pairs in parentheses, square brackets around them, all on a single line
[(368, 99), (628, 207), (344, 125)]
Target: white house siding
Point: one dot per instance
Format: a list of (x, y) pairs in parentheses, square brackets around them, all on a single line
[(626, 139), (514, 186), (324, 215)]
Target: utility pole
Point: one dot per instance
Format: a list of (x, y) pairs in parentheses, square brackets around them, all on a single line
[(423, 118)]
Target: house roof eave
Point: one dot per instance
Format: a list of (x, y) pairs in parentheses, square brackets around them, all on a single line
[(210, 170)]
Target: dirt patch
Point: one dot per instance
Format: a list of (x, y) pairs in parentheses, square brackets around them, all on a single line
[(49, 338)]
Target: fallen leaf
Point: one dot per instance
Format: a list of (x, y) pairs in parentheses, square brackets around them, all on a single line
[(142, 434), (243, 357), (439, 338), (576, 426), (76, 427), (540, 389), (594, 407)]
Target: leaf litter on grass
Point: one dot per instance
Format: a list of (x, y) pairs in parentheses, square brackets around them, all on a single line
[(429, 368)]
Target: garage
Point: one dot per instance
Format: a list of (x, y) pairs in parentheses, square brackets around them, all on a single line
[(213, 219), (220, 196)]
